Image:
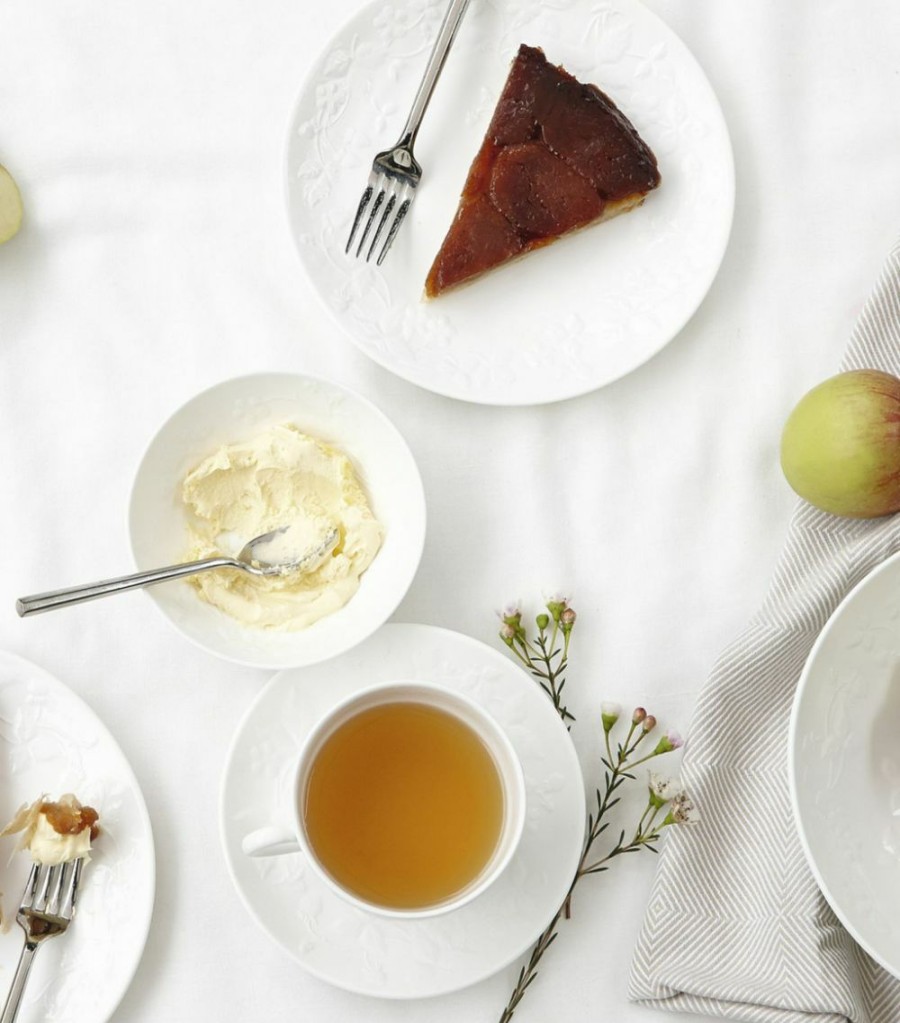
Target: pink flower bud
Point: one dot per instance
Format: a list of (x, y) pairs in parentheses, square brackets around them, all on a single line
[(556, 603), (638, 716), (670, 741), (511, 614), (649, 723), (675, 740)]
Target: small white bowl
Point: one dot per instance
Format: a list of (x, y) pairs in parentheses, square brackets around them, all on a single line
[(235, 411)]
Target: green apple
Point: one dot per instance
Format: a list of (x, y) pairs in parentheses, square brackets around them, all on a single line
[(840, 449), (10, 206)]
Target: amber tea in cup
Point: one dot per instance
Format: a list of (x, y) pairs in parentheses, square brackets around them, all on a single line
[(408, 801), (403, 804)]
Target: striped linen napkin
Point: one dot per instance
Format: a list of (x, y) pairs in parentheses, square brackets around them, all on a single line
[(736, 926)]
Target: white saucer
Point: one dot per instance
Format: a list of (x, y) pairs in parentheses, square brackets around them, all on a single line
[(360, 951), (51, 742)]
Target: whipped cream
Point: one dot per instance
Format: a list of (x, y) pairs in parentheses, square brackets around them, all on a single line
[(47, 845), (43, 841), (282, 477)]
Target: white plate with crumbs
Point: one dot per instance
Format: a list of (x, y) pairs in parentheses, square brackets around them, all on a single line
[(52, 743), (564, 320), (844, 763), (363, 951)]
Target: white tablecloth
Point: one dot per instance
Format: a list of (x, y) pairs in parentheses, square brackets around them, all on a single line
[(147, 139)]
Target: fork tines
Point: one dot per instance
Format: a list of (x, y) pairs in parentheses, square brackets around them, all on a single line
[(46, 910), (395, 173), (382, 195), (386, 199), (52, 890)]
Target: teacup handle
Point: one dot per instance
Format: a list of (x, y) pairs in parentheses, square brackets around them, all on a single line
[(272, 840)]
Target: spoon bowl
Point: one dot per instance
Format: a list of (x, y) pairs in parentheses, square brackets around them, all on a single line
[(276, 552)]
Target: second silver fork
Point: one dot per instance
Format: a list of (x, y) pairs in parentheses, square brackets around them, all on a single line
[(47, 908), (395, 173)]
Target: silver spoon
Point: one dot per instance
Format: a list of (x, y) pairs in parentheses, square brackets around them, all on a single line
[(251, 559)]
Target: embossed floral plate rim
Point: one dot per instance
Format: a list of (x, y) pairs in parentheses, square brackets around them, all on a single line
[(561, 322), (360, 951), (52, 742), (844, 773)]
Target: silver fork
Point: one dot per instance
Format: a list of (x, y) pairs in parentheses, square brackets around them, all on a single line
[(395, 173), (47, 908)]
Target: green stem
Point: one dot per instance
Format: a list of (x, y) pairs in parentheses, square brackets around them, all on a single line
[(529, 971), (539, 661), (647, 810), (653, 817)]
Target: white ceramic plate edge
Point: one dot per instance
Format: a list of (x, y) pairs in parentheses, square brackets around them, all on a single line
[(509, 397), (144, 920), (829, 896)]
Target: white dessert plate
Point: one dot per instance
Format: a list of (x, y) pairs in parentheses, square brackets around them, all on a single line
[(562, 321), (51, 743), (358, 950), (237, 410), (845, 763)]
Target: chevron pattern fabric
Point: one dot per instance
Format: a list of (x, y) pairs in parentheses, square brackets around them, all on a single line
[(736, 926)]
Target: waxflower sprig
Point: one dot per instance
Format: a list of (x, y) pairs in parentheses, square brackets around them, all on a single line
[(542, 657), (667, 801)]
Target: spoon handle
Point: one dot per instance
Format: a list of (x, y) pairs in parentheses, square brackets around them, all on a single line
[(39, 602)]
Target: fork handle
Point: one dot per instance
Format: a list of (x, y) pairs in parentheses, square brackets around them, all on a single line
[(78, 594), (14, 998), (442, 45)]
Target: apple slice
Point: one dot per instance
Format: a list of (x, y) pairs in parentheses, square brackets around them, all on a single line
[(10, 206)]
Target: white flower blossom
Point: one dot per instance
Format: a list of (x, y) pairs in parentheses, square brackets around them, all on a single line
[(682, 810), (665, 789)]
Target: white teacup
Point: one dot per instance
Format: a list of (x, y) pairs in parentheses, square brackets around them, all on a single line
[(277, 839)]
